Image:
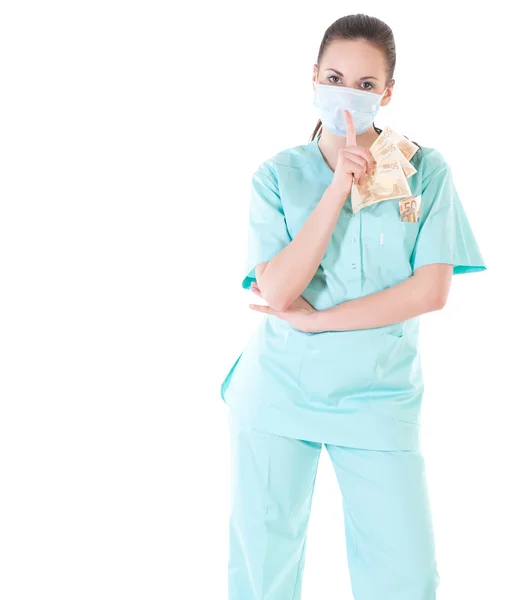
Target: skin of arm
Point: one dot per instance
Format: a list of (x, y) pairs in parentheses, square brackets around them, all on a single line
[(426, 291), (288, 273)]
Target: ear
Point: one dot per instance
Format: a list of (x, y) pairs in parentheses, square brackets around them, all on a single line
[(389, 93), (314, 76)]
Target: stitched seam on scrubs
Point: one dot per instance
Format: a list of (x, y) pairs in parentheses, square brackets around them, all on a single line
[(270, 174), (302, 360), (299, 567), (306, 530), (377, 360), (443, 165)]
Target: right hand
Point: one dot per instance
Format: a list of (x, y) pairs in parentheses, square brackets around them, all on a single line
[(353, 161)]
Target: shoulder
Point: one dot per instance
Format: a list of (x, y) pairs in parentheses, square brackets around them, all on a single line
[(430, 161), (434, 178), (295, 157)]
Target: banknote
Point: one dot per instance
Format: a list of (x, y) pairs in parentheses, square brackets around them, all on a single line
[(391, 150), (410, 209), (408, 167), (387, 136), (386, 181)]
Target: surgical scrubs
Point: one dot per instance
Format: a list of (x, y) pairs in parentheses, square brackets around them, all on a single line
[(359, 392)]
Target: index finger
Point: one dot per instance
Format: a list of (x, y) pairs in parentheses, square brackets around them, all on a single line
[(350, 131)]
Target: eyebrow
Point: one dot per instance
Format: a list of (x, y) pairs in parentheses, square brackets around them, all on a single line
[(361, 78)]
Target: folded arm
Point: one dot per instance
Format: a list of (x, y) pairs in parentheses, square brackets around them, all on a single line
[(427, 290)]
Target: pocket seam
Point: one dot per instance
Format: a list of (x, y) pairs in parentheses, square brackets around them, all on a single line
[(397, 337)]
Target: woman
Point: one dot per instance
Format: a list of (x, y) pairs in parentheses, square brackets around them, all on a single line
[(336, 359)]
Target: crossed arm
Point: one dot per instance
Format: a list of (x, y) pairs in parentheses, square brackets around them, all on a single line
[(425, 291), (283, 279)]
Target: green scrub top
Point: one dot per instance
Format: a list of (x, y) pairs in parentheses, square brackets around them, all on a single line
[(359, 388)]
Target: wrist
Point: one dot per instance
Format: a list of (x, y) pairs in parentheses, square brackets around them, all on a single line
[(328, 319), (317, 321), (337, 194)]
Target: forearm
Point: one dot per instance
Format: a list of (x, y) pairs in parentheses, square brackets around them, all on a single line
[(417, 295), (290, 271)]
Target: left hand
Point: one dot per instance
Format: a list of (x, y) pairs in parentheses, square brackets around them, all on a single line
[(299, 314)]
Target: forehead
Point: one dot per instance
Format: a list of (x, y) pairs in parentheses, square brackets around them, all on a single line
[(354, 58)]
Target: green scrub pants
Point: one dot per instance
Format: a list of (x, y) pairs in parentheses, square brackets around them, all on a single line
[(389, 535)]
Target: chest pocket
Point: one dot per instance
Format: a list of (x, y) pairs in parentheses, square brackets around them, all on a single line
[(390, 241)]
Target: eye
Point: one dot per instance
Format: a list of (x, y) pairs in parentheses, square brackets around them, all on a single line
[(370, 84), (331, 77)]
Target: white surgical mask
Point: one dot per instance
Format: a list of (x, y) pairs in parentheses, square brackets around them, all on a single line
[(331, 101)]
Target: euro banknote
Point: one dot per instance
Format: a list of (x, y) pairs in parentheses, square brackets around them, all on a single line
[(388, 179), (410, 209)]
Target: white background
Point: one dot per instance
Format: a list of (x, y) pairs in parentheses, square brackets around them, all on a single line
[(129, 133)]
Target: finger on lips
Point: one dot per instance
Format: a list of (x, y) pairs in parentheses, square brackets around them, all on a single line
[(350, 130), (351, 146)]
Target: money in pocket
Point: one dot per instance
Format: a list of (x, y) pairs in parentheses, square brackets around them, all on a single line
[(410, 209)]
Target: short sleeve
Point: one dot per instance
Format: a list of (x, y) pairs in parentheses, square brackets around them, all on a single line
[(444, 235), (267, 231)]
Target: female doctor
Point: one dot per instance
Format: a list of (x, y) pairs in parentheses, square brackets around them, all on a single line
[(335, 360)]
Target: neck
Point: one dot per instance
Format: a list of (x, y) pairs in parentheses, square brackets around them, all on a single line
[(330, 144)]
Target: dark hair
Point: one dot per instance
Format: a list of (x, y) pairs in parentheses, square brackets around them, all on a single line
[(361, 27)]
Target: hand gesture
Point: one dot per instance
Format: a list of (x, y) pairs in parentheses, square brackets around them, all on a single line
[(353, 161)]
